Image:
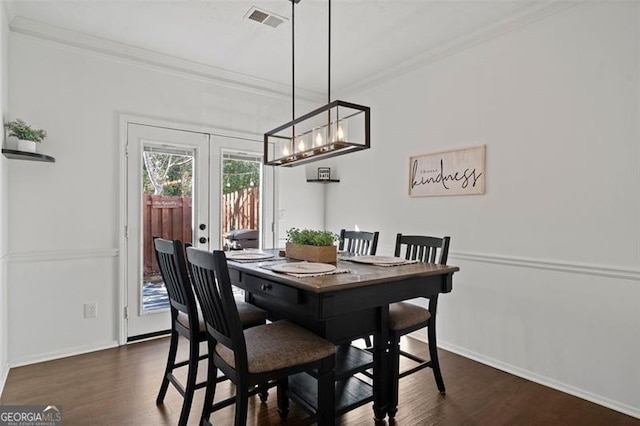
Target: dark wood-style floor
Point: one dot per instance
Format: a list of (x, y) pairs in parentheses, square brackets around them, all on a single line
[(119, 387)]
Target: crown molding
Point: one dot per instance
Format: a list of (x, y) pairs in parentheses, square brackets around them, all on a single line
[(55, 34), (428, 57)]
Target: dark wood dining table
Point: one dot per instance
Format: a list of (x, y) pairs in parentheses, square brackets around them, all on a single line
[(341, 308)]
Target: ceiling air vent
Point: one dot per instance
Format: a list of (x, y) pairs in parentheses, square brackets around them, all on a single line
[(264, 17)]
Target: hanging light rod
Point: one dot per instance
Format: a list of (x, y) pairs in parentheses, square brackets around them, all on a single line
[(334, 129)]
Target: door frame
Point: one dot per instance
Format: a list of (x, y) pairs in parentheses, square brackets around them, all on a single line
[(123, 120)]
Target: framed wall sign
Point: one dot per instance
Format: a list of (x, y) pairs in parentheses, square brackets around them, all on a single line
[(324, 173), (454, 172)]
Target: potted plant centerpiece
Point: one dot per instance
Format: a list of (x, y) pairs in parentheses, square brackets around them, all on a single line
[(313, 246), (27, 136)]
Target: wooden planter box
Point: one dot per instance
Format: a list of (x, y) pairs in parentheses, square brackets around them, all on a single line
[(320, 254)]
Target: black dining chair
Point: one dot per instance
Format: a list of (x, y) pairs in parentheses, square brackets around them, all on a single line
[(186, 321), (358, 242), (266, 353), (405, 317), (361, 243)]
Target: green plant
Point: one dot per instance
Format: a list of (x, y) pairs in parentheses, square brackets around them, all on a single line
[(22, 130), (311, 238)]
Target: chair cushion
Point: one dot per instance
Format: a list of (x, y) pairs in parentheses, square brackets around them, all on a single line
[(248, 313), (403, 315), (279, 345)]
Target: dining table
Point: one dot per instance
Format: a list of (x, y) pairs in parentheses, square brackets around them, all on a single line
[(343, 305)]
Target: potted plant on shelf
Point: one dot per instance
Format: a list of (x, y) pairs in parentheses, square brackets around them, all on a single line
[(27, 136), (310, 245)]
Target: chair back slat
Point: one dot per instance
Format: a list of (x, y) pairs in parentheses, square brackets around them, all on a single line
[(170, 257), (212, 285), (359, 242), (423, 248)]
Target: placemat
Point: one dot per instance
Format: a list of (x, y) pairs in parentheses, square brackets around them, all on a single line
[(248, 256), (335, 271), (304, 268), (378, 260)]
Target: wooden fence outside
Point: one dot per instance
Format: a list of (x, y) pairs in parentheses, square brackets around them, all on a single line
[(170, 217), (241, 210)]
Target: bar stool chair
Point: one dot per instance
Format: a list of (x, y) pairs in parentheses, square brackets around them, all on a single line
[(358, 242), (406, 317), (185, 318), (266, 353), (361, 243)]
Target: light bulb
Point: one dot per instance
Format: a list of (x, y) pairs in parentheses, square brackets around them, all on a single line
[(285, 151), (318, 139), (340, 133), (301, 146)]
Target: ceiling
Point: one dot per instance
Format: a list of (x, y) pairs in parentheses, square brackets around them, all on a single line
[(371, 39)]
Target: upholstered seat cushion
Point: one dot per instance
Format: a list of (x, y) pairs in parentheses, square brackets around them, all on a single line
[(248, 313), (403, 315), (279, 345)]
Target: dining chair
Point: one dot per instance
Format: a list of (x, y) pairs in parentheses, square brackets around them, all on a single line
[(186, 321), (265, 353), (405, 317), (361, 243), (358, 242)]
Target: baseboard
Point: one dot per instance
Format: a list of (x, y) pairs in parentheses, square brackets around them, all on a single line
[(545, 381), (78, 350), (3, 377)]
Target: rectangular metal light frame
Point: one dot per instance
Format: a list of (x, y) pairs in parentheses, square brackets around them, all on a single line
[(328, 150)]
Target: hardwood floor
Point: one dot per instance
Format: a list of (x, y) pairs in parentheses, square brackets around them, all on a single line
[(119, 386)]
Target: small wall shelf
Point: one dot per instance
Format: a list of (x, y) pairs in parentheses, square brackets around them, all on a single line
[(30, 156), (323, 180)]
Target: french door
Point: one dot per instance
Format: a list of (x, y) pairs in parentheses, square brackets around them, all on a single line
[(178, 187)]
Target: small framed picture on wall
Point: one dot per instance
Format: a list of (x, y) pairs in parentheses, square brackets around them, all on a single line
[(324, 173)]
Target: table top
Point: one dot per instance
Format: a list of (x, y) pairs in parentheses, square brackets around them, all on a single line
[(359, 275)]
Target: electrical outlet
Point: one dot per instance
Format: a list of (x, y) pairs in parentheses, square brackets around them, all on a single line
[(90, 310)]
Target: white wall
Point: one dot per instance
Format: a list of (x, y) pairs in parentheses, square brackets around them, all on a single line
[(64, 232), (549, 257), (4, 366)]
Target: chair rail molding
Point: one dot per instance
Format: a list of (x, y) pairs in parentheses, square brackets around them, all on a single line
[(62, 255), (533, 263), (568, 267)]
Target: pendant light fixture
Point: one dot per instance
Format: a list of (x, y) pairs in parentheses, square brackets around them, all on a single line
[(336, 128)]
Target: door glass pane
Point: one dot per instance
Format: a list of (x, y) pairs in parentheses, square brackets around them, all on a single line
[(241, 192), (167, 182)]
